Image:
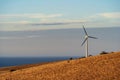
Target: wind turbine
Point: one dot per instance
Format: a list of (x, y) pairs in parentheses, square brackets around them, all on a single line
[(86, 40)]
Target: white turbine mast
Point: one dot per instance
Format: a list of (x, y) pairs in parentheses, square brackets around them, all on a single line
[(86, 40)]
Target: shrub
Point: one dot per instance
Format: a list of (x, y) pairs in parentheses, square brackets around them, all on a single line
[(103, 52), (12, 70), (112, 52), (82, 57), (70, 58), (90, 55)]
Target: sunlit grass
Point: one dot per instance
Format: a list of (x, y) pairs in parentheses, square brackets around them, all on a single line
[(101, 67)]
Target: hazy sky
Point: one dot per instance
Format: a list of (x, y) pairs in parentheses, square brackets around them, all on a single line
[(51, 27)]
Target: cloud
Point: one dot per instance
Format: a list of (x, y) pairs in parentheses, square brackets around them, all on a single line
[(56, 21), (59, 22), (41, 25), (104, 18), (26, 18), (18, 37), (30, 15), (6, 38), (46, 20), (44, 16), (110, 15), (33, 36)]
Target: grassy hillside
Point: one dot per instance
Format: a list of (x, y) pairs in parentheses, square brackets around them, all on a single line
[(102, 67)]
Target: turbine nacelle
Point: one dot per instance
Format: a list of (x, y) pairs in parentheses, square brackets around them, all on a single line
[(86, 36)]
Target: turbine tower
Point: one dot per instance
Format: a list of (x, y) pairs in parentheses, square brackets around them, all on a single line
[(86, 40)]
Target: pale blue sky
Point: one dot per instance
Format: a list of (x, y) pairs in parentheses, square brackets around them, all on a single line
[(58, 13), (59, 6)]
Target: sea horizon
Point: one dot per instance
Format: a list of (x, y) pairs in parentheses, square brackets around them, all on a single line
[(16, 61)]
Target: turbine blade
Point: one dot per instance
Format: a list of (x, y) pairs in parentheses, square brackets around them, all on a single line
[(84, 41), (85, 30), (92, 37)]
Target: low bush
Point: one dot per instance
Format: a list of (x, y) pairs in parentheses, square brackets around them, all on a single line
[(12, 70), (103, 52)]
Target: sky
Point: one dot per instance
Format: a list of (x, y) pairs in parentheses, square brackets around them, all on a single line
[(26, 25), (47, 14)]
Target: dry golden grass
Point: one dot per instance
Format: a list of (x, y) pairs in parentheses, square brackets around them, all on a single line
[(102, 67)]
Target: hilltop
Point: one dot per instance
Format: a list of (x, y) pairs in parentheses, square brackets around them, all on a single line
[(100, 67)]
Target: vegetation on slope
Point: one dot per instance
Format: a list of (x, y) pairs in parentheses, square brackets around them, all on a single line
[(102, 67)]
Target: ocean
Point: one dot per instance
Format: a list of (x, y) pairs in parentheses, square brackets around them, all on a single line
[(13, 61)]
